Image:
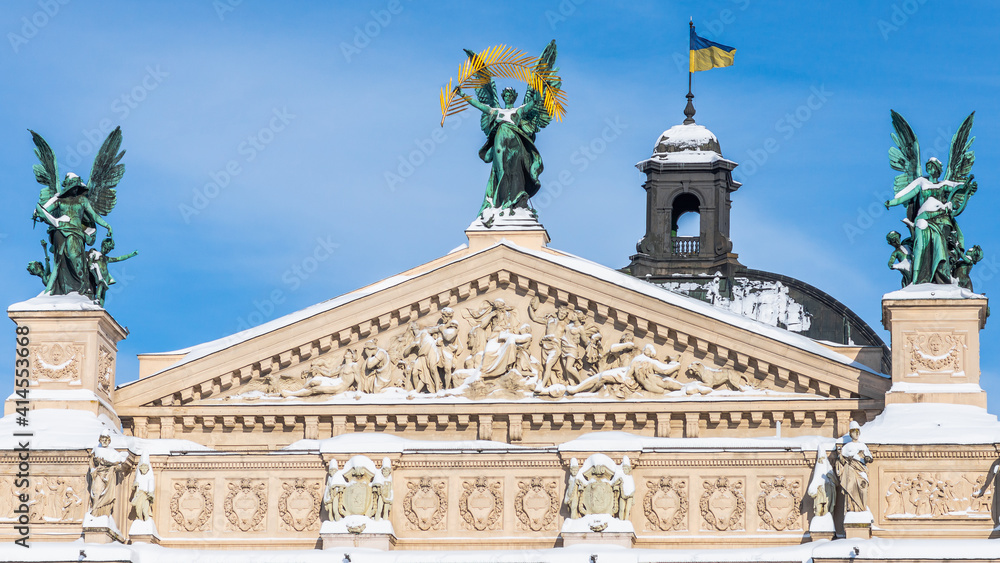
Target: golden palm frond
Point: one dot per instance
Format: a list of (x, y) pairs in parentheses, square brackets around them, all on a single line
[(504, 62)]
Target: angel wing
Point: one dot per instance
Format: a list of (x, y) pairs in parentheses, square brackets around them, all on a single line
[(46, 172), (106, 174), (905, 156), (486, 94), (545, 67), (960, 162), (961, 157)]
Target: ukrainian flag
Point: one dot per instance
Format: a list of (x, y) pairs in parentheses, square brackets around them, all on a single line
[(707, 54)]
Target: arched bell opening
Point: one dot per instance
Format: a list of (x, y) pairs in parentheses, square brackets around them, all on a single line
[(685, 227)]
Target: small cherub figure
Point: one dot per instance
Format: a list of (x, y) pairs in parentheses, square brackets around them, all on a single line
[(36, 268), (99, 275), (965, 264), (901, 257)]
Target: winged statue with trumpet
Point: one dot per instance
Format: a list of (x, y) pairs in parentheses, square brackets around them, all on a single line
[(510, 129), (72, 210), (935, 250)]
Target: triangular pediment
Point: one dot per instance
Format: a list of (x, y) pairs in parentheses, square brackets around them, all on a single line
[(721, 355)]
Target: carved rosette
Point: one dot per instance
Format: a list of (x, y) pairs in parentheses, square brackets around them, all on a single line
[(245, 505), (299, 505), (666, 505), (481, 504), (536, 504), (935, 352), (105, 370), (778, 505), (723, 505), (426, 503), (191, 506), (57, 362)]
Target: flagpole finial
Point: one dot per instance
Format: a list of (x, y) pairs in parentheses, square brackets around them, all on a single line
[(689, 109)]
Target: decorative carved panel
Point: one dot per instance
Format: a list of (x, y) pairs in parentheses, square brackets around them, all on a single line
[(666, 505), (426, 503), (299, 504), (105, 369), (949, 495), (57, 362), (536, 504), (723, 505), (778, 504), (191, 506), (481, 504), (246, 505), (935, 352), (53, 499)]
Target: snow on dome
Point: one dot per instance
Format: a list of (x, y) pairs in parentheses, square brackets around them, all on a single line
[(692, 137)]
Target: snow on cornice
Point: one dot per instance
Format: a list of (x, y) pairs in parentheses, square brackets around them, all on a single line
[(931, 291), (42, 302)]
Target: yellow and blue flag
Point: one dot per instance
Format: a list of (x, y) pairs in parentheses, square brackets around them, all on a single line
[(707, 54)]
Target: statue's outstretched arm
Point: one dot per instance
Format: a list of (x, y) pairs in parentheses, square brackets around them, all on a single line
[(474, 102), (125, 257)]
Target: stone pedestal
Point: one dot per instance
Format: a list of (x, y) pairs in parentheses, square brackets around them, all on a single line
[(101, 535), (518, 226), (72, 345), (935, 344), (858, 525), (623, 539), (384, 542), (143, 532)]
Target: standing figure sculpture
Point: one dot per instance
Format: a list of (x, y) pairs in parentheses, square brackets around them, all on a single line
[(937, 243), (107, 465), (510, 130), (852, 471), (335, 484), (73, 211), (143, 489)]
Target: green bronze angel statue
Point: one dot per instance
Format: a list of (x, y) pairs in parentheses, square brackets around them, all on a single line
[(510, 129), (72, 211), (935, 251)]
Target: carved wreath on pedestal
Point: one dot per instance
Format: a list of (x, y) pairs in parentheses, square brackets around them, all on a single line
[(481, 503), (778, 505), (191, 505), (935, 352), (722, 505), (299, 505), (536, 504), (57, 362), (246, 505), (426, 503), (666, 504)]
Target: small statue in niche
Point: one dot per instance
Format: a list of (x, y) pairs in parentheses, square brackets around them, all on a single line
[(107, 466), (852, 471), (822, 488), (383, 491), (143, 490), (335, 484), (624, 487)]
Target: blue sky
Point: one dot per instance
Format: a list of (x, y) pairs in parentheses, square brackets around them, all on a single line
[(280, 154)]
